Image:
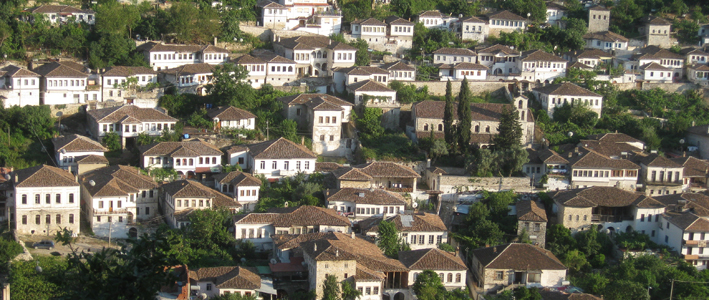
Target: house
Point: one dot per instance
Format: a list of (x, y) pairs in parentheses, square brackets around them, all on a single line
[(695, 56), (606, 41), (501, 59), (189, 158), (419, 230), (190, 78), (370, 93), (61, 14), (589, 168), (400, 34), (128, 121), (703, 34), (71, 148), (594, 58), (379, 174), (660, 175), (454, 55), (43, 200), (684, 227), (362, 203), (540, 66), (343, 77), (273, 159), (259, 227), (400, 71), (605, 208), (65, 83), (473, 29), (695, 173), (182, 197), (242, 186), (428, 116), (550, 97), (698, 136), (545, 161), (327, 117), (657, 32), (449, 267), (698, 74), (170, 56), (229, 117), (667, 64), (532, 220), (656, 72), (505, 21), (555, 13), (298, 15), (267, 67), (315, 55), (118, 81), (257, 69), (181, 288), (19, 86), (272, 14), (215, 281), (370, 30), (599, 19), (464, 70), (433, 19), (117, 197)]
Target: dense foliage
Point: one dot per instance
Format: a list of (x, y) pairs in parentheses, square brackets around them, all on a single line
[(488, 221), (24, 136)]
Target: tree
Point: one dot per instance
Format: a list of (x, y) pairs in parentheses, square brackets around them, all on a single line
[(234, 296), (438, 149), (112, 141), (330, 288), (464, 115), (536, 8), (576, 261), (687, 31), (559, 240), (449, 115), (509, 131), (428, 286), (626, 290), (28, 284), (511, 160), (228, 87), (388, 239), (524, 293), (230, 26), (362, 54), (289, 130), (370, 123), (349, 292)]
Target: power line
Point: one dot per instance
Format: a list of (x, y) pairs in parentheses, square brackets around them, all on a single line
[(43, 147)]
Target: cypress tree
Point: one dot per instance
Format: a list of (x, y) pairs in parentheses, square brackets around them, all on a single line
[(464, 117), (448, 115), (509, 130)]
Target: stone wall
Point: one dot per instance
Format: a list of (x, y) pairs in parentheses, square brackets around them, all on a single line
[(668, 87), (263, 33), (438, 88), (453, 184), (70, 109)]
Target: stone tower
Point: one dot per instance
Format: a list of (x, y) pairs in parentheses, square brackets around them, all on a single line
[(599, 18), (657, 31)]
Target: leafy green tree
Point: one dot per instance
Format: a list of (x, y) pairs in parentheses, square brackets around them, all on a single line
[(28, 284), (408, 93), (349, 292), (199, 119), (579, 114), (687, 31), (536, 8), (438, 149), (509, 131), (234, 296), (229, 87), (330, 288), (464, 115), (449, 116), (289, 130), (511, 160), (9, 249), (626, 290), (524, 293), (485, 164), (576, 261), (362, 54), (446, 247), (230, 26), (112, 141), (559, 240), (428, 286), (388, 239), (370, 122), (593, 283)]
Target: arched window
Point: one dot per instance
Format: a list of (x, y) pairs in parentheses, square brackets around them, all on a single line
[(425, 127), (487, 129), (519, 105), (319, 54), (477, 128), (450, 277), (457, 277), (290, 69), (440, 127)]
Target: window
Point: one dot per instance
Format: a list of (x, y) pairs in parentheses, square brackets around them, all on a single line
[(534, 277), (48, 198), (71, 218), (59, 219), (37, 219), (457, 277), (24, 220), (48, 218), (36, 199), (368, 291), (421, 239), (263, 164), (274, 165), (24, 199), (430, 239), (499, 275), (209, 286), (71, 198), (376, 291), (450, 277), (642, 218), (413, 239)]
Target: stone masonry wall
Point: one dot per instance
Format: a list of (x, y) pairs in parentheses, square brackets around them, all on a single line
[(438, 88)]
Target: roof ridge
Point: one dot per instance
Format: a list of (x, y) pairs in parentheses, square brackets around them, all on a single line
[(497, 256)]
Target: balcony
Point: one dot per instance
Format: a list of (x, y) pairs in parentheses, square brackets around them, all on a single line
[(610, 218), (663, 183), (111, 211), (699, 243), (400, 189), (691, 257)]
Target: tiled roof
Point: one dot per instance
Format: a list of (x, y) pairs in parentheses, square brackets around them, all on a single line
[(471, 19), (269, 4), (599, 8), (469, 66), (702, 130), (655, 52), (237, 149), (117, 113), (365, 274), (256, 218), (431, 259), (455, 51), (366, 196), (15, 71), (124, 71), (699, 67), (326, 166), (603, 196), (116, 180), (552, 5), (418, 222), (181, 149), (566, 89), (370, 22), (398, 66), (369, 86), (228, 277), (363, 70), (308, 216), (431, 14), (77, 143), (653, 20), (304, 42), (279, 149), (437, 170), (351, 174), (545, 156), (341, 46), (553, 294), (653, 66), (387, 169), (337, 246), (201, 68), (540, 55), (655, 160), (480, 111), (394, 20), (43, 176), (91, 159), (614, 138), (518, 256), (48, 9), (693, 167), (606, 36), (579, 65), (230, 113), (590, 53), (530, 211), (696, 202), (688, 221), (270, 56), (193, 189), (499, 49), (304, 99), (248, 59), (506, 15), (587, 158), (237, 178), (60, 69)]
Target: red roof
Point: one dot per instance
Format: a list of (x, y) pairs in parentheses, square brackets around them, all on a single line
[(295, 265)]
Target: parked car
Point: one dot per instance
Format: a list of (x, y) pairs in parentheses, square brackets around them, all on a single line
[(44, 244)]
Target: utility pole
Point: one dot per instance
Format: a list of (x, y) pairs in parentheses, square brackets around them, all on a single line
[(672, 288), (267, 130), (109, 232)]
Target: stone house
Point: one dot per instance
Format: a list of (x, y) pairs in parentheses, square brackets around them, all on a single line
[(599, 19), (190, 159), (274, 159), (419, 230), (605, 208), (190, 78), (61, 14), (42, 200), (379, 174), (315, 55), (71, 148), (170, 56), (229, 117), (19, 86), (369, 93), (182, 197), (497, 267), (655, 63), (657, 32), (362, 203), (116, 198), (555, 95), (543, 162), (115, 86), (540, 66), (590, 57), (500, 59), (400, 71), (694, 174), (606, 41), (242, 186), (128, 121), (532, 219), (344, 77), (698, 74), (660, 175), (449, 267), (473, 29), (215, 281)]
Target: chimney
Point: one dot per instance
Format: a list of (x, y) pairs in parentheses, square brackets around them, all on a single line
[(329, 42), (302, 140), (17, 178), (315, 247), (571, 154), (428, 163), (494, 249), (327, 193), (215, 41), (279, 39), (352, 235), (337, 252)]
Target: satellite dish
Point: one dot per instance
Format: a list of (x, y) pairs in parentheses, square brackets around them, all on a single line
[(92, 183), (286, 204), (414, 205), (63, 151), (273, 261), (7, 176), (59, 114), (243, 259)]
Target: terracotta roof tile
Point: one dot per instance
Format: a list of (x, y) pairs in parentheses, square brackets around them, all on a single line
[(455, 51), (237, 178), (43, 176), (431, 259), (370, 22), (398, 66), (530, 211), (60, 69), (506, 15), (184, 148), (116, 180), (603, 196), (308, 216), (193, 189), (279, 149), (228, 277), (394, 20), (369, 86), (125, 71), (566, 89), (606, 36), (230, 113), (387, 169), (499, 49), (518, 256), (419, 222), (91, 159), (479, 111), (351, 174), (117, 113), (693, 167), (540, 55), (366, 196), (15, 71), (431, 14), (337, 246), (77, 143), (326, 166), (189, 69), (655, 160)]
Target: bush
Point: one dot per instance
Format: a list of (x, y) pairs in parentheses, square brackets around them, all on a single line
[(112, 141)]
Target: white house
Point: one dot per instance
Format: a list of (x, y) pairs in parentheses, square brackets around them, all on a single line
[(273, 159), (371, 30), (473, 29), (463, 70), (69, 149), (500, 59), (555, 95), (433, 19), (695, 56), (419, 230), (267, 67), (343, 77), (216, 281), (272, 14), (61, 14), (362, 203), (400, 34), (167, 56), (376, 92), (590, 57), (256, 68), (656, 72), (229, 117), (189, 78), (450, 268), (540, 66), (19, 86), (670, 61), (117, 197), (400, 71), (315, 55), (44, 199), (698, 74), (505, 21), (128, 121), (183, 197), (65, 83), (454, 55), (684, 227), (188, 158), (606, 41), (555, 13), (242, 186), (116, 85)]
